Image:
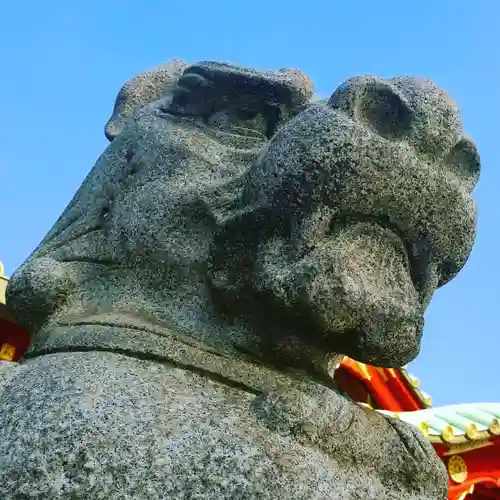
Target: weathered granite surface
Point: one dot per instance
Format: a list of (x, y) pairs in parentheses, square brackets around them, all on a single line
[(189, 306)]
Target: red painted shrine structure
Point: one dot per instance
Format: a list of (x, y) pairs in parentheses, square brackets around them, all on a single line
[(466, 437)]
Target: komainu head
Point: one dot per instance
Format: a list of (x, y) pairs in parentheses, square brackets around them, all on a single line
[(232, 203)]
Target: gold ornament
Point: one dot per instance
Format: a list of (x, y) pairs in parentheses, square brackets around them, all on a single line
[(457, 469)]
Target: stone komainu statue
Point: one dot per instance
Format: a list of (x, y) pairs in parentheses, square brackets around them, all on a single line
[(190, 305)]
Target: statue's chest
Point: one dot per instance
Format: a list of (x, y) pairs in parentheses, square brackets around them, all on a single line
[(101, 425)]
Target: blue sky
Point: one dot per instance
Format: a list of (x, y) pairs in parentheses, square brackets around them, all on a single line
[(63, 62)]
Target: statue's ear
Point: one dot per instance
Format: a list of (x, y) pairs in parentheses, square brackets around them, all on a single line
[(377, 104), (141, 90)]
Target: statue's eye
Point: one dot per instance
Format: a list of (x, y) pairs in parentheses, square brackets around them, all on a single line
[(463, 160), (384, 111)]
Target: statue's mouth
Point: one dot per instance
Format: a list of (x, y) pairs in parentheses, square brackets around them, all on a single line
[(415, 255)]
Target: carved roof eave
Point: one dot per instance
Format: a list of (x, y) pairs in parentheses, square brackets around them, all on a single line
[(455, 424)]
